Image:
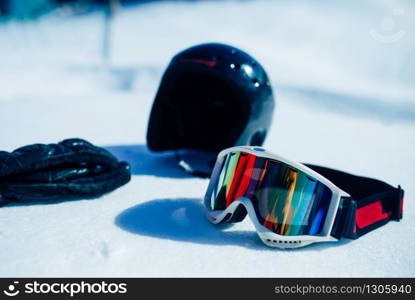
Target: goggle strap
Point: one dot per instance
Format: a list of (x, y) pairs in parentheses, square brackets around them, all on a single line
[(345, 220), (358, 217), (377, 210), (373, 203)]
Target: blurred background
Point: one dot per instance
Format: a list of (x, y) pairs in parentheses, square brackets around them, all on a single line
[(347, 54)]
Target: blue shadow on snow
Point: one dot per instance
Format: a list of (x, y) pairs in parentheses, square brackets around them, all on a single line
[(145, 162), (184, 220)]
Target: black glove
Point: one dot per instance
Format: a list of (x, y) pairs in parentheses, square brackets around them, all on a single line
[(71, 169)]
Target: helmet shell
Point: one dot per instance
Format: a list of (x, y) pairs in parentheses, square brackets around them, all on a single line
[(211, 97)]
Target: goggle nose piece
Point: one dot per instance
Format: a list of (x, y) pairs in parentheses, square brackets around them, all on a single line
[(237, 216)]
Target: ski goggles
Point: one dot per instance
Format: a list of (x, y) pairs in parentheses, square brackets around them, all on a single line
[(292, 204)]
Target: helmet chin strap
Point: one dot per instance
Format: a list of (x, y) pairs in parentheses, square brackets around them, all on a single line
[(185, 166)]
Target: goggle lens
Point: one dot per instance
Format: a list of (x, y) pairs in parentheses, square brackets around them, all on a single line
[(286, 200)]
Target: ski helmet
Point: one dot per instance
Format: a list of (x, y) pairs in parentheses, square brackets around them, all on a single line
[(212, 96)]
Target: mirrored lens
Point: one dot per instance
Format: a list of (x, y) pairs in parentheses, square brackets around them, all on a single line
[(287, 201)]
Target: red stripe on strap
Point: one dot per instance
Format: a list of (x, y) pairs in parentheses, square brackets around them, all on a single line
[(236, 179), (369, 214)]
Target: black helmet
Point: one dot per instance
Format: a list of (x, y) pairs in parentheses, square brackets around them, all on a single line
[(211, 97)]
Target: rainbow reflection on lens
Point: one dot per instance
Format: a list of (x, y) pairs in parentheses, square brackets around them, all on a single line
[(286, 200)]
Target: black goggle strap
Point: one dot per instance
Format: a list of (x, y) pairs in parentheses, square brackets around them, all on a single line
[(372, 204)]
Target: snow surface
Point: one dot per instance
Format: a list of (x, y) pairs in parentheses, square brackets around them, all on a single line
[(345, 100)]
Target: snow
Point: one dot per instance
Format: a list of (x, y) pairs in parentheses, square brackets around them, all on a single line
[(345, 100)]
